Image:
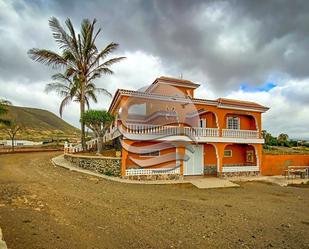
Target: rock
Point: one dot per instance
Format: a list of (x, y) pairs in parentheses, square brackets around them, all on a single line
[(2, 243), (286, 225)]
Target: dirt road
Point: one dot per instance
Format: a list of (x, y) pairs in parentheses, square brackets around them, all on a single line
[(44, 207)]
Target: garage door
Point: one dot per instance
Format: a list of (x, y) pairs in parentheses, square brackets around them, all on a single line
[(195, 163)]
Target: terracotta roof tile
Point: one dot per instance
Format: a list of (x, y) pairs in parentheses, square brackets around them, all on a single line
[(234, 102)]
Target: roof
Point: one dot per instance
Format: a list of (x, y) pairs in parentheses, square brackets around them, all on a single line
[(234, 102), (220, 103), (173, 82)]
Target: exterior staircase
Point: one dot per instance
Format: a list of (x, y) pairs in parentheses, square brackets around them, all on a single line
[(110, 134)]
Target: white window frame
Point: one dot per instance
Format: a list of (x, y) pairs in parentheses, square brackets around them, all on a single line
[(203, 123), (230, 151), (234, 126), (145, 153)]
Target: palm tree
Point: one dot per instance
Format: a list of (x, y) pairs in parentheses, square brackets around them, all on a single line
[(81, 63), (282, 138), (3, 110)]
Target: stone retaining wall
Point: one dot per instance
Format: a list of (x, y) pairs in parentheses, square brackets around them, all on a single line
[(237, 174), (154, 177), (110, 166)]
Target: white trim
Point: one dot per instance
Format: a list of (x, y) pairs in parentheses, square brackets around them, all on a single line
[(143, 137), (123, 92), (231, 153), (193, 166), (237, 133), (230, 117), (223, 106), (162, 171), (240, 169), (203, 123)]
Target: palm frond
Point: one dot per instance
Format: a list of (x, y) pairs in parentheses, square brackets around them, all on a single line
[(73, 36), (92, 96), (112, 61), (69, 72), (47, 57), (103, 68), (104, 53), (62, 77), (64, 103), (60, 35), (61, 89), (87, 102), (103, 91)]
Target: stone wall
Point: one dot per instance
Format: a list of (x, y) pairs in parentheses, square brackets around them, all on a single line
[(154, 177), (110, 166), (247, 173)]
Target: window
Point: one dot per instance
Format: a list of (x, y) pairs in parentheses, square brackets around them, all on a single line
[(148, 153), (250, 156), (203, 123), (233, 123), (227, 153)]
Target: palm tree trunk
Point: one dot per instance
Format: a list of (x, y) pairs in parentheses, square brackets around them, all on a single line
[(82, 110), (13, 147)]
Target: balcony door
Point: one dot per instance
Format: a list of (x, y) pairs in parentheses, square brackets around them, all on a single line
[(195, 163)]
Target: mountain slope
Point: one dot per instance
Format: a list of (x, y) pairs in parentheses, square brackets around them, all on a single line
[(40, 124)]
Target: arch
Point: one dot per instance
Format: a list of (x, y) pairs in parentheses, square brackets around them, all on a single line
[(256, 155), (245, 121), (240, 155), (212, 113), (217, 156)]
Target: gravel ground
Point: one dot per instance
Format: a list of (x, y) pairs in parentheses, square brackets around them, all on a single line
[(44, 207)]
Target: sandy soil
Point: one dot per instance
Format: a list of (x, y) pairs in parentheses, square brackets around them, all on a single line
[(44, 207)]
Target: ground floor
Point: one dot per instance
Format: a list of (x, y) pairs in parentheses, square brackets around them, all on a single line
[(81, 211), (189, 159)]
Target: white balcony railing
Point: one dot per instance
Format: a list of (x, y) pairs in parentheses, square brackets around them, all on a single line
[(240, 133), (171, 130), (133, 172), (201, 132), (234, 169), (153, 129)]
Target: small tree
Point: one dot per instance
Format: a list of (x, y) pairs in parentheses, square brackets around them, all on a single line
[(267, 137), (98, 121), (4, 110), (12, 130), (283, 139)]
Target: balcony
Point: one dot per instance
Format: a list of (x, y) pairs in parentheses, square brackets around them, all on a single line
[(231, 133), (145, 131), (171, 130)]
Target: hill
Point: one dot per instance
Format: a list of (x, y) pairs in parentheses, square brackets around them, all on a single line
[(40, 125)]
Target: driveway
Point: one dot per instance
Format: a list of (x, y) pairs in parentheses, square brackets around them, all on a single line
[(42, 206)]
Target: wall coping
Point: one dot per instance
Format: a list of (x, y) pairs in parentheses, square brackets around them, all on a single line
[(92, 157)]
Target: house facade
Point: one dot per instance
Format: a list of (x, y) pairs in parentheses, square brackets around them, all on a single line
[(167, 133)]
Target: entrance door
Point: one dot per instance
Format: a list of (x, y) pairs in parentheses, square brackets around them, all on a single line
[(195, 163)]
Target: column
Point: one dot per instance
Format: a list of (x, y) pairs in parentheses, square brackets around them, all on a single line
[(220, 153)]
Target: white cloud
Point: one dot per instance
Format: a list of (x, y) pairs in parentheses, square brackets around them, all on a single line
[(217, 44), (289, 107), (138, 70)]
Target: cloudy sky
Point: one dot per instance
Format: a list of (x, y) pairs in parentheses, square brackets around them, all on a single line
[(251, 50)]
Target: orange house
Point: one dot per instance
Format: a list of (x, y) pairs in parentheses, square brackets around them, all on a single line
[(167, 133)]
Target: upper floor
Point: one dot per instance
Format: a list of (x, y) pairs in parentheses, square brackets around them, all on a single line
[(168, 108)]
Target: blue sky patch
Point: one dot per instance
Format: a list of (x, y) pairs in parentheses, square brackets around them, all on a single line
[(264, 88)]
